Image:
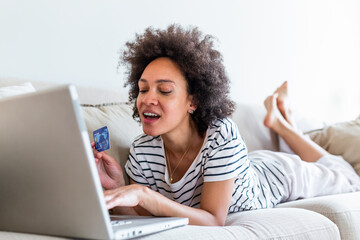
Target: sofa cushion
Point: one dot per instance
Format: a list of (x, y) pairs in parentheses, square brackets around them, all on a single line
[(122, 127), (18, 89), (249, 119), (341, 139), (342, 209), (265, 224)]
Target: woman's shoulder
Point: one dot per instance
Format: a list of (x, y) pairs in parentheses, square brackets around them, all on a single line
[(223, 121), (146, 140), (222, 132), (224, 127)]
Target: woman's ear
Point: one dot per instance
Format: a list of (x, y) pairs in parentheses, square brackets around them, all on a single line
[(192, 106), (191, 109)]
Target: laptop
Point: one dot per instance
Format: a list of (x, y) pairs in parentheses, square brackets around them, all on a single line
[(49, 183)]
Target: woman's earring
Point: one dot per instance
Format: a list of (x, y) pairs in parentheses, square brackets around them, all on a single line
[(191, 111)]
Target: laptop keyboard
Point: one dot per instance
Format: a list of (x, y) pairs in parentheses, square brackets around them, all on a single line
[(120, 222)]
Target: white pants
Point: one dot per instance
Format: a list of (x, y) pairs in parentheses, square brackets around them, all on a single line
[(329, 175)]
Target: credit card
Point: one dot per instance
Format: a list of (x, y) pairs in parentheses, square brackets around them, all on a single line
[(101, 139)]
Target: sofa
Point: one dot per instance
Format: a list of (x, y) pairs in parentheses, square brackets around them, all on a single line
[(325, 217)]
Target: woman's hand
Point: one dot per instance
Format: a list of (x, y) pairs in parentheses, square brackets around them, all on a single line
[(111, 175), (127, 196), (214, 206)]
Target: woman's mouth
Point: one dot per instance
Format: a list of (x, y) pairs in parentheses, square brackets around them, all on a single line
[(150, 117)]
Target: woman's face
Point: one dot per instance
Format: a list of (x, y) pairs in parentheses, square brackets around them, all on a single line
[(163, 101)]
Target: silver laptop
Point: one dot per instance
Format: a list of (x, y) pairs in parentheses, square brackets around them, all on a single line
[(48, 178)]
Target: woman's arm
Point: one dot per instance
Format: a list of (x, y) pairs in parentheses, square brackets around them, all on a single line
[(214, 205)]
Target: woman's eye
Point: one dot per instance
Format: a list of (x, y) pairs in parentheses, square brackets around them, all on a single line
[(166, 91), (142, 90)]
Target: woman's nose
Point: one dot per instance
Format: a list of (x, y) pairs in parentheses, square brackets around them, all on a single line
[(150, 97)]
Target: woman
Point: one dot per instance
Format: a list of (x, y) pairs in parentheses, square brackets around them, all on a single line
[(191, 160)]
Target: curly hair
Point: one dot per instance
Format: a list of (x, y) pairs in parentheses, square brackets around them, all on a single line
[(200, 63)]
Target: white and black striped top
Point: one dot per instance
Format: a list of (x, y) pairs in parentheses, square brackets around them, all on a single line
[(258, 183)]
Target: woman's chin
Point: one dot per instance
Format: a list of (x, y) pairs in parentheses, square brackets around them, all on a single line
[(151, 132)]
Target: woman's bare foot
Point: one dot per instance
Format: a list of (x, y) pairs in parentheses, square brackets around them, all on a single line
[(282, 100), (283, 103), (273, 119)]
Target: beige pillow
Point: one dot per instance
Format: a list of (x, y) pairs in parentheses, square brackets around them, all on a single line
[(123, 129), (341, 139)]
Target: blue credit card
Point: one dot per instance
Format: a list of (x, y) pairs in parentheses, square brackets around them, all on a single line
[(101, 139)]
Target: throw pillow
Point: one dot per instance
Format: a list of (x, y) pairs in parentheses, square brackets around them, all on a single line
[(341, 139), (14, 90), (123, 129)]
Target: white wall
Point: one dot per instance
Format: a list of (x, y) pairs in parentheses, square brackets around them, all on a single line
[(314, 44)]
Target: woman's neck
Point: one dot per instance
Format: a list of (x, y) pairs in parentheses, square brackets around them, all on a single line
[(179, 141)]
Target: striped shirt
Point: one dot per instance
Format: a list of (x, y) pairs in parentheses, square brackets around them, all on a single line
[(258, 183)]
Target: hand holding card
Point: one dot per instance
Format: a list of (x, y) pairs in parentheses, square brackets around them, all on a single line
[(111, 175), (101, 139)]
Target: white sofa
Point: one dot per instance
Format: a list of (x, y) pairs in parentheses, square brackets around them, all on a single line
[(328, 217)]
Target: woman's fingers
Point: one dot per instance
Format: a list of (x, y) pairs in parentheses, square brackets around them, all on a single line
[(107, 159), (109, 170), (95, 152), (114, 198), (122, 197), (101, 155)]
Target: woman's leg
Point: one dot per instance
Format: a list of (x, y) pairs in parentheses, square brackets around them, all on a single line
[(279, 119)]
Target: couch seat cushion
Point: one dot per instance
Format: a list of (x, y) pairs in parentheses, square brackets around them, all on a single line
[(265, 224), (342, 209), (262, 224)]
